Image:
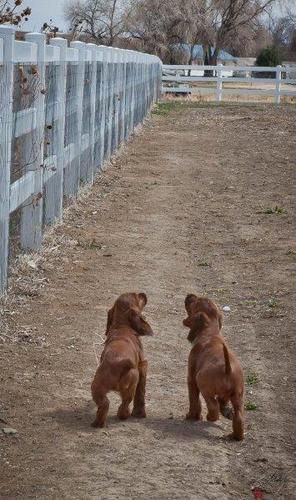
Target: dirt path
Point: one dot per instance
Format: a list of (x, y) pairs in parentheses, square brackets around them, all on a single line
[(181, 211)]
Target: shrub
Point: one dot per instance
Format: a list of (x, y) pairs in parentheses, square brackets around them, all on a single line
[(268, 57)]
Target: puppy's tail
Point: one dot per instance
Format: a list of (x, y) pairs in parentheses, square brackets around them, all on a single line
[(227, 360), (124, 366)]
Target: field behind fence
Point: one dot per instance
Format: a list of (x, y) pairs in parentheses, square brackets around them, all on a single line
[(63, 112), (231, 82)]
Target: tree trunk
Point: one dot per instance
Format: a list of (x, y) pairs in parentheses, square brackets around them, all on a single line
[(207, 58), (214, 57), (210, 59), (190, 59)]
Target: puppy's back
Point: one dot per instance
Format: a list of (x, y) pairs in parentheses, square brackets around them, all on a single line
[(212, 372)]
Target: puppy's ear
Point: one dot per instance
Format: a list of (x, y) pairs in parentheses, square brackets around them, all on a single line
[(142, 299), (109, 319), (139, 324), (199, 323), (188, 301)]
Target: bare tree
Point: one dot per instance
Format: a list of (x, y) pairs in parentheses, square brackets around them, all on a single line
[(156, 25), (284, 35), (102, 20), (215, 24), (219, 22), (163, 27), (13, 12)]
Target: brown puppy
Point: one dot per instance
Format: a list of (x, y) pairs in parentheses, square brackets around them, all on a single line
[(213, 370), (123, 366)]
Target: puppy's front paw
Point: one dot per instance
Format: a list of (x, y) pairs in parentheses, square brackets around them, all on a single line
[(123, 413), (97, 424), (235, 437), (139, 413), (212, 417), (192, 416)]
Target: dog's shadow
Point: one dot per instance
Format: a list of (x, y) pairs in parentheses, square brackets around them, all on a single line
[(79, 419), (74, 417), (181, 428)]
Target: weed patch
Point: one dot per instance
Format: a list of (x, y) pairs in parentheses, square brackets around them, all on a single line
[(252, 379), (275, 210), (250, 406)]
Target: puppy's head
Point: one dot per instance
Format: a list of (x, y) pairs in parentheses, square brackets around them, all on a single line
[(127, 311), (201, 313)]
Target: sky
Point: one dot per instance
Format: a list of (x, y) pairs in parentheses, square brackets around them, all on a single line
[(44, 10)]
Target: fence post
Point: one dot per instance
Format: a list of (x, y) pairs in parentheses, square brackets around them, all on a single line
[(128, 94), (133, 88), (53, 199), (160, 69), (32, 214), (101, 106), (219, 83), (7, 36), (117, 83), (277, 96), (93, 93), (109, 108), (122, 95), (137, 103), (79, 83), (142, 87)]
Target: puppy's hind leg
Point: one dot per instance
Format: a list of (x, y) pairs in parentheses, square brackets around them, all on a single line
[(103, 406), (238, 418), (139, 400), (194, 401), (213, 408), (127, 391)]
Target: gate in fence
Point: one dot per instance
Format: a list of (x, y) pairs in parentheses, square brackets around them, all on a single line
[(63, 112)]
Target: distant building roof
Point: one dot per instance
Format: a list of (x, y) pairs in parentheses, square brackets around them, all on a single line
[(199, 53)]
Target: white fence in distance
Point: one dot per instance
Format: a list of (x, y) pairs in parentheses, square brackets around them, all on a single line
[(77, 105), (187, 79)]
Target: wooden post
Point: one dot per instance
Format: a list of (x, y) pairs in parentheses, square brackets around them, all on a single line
[(128, 95), (141, 88), (277, 96), (115, 127), (73, 187), (159, 88), (102, 97), (147, 69), (122, 86), (133, 89), (109, 85), (93, 92), (32, 212), (136, 88), (7, 37), (53, 199)]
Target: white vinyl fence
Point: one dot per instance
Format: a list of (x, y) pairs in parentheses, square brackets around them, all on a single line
[(234, 80), (63, 112)]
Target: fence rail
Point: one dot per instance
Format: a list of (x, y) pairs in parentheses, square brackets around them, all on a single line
[(269, 81), (63, 112)]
